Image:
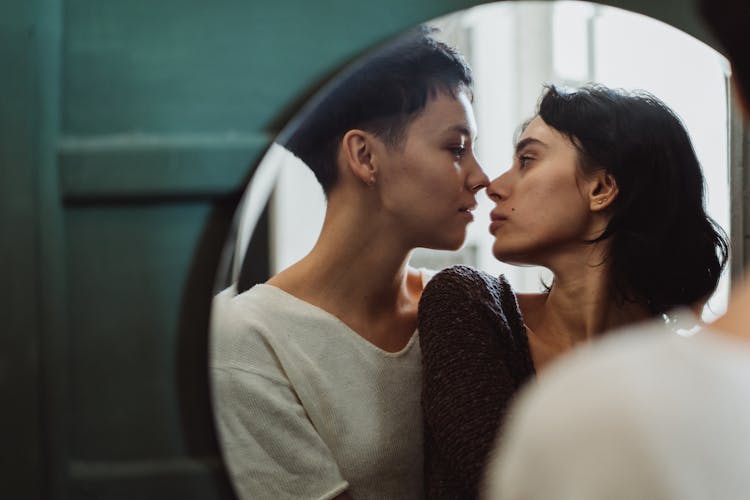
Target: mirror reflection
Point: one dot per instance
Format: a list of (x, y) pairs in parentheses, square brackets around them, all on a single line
[(568, 43), (445, 148)]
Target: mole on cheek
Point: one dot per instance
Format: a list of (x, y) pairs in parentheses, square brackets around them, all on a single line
[(512, 209)]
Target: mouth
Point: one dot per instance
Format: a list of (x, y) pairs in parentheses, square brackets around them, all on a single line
[(467, 211), (469, 207), (496, 220)]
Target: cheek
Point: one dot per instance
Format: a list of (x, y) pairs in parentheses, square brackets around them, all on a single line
[(550, 209), (431, 178), (557, 194), (413, 192)]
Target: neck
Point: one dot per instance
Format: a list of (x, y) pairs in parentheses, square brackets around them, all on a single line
[(357, 264), (582, 303)]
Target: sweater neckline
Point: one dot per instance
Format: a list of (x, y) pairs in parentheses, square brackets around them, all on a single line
[(425, 275)]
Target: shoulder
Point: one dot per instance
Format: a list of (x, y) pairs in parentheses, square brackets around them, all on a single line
[(645, 362), (464, 302), (465, 283), (465, 292), (571, 409), (249, 326), (262, 304), (231, 311)]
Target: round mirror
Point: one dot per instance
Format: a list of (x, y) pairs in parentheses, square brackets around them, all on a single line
[(513, 49)]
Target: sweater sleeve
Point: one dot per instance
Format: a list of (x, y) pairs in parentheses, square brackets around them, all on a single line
[(270, 446), (465, 337)]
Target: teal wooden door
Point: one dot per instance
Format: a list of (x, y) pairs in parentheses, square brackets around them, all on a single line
[(127, 130)]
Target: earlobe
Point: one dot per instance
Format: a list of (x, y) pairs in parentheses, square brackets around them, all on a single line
[(603, 192), (357, 149)]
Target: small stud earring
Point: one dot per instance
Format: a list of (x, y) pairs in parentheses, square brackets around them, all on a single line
[(600, 202)]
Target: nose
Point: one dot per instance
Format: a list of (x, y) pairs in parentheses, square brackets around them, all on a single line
[(497, 189), (477, 179)]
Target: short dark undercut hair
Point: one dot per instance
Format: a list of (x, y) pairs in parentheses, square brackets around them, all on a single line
[(380, 94)]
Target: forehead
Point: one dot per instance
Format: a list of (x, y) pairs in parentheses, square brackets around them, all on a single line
[(538, 129), (445, 113)]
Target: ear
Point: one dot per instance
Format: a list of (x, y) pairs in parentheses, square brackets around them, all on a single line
[(602, 191), (358, 152)]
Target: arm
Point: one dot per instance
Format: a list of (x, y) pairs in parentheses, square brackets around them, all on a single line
[(270, 446), (466, 384)]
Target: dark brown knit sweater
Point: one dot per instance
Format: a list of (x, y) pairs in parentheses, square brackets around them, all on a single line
[(475, 356)]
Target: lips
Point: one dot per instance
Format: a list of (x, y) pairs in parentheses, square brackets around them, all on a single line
[(466, 211), (496, 220), (468, 208)]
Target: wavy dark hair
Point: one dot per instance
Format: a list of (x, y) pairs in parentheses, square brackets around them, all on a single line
[(381, 94), (666, 251)]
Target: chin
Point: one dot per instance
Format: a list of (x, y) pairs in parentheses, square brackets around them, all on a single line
[(509, 256), (451, 243), (455, 246), (448, 246), (497, 251), (440, 238)]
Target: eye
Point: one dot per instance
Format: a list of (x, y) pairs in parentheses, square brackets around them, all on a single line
[(523, 160), (458, 151)]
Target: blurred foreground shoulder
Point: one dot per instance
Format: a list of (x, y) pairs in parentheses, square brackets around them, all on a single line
[(647, 413)]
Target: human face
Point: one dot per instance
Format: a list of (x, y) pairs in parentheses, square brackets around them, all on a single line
[(541, 208), (428, 184)]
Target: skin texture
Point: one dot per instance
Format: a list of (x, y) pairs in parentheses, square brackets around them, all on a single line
[(545, 211)]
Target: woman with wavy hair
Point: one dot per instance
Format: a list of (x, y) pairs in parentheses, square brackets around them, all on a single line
[(605, 190)]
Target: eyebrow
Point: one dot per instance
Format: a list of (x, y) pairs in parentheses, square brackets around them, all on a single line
[(462, 129), (527, 142)]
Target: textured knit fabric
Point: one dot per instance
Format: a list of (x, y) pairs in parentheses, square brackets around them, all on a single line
[(475, 357), (306, 408), (644, 414)]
